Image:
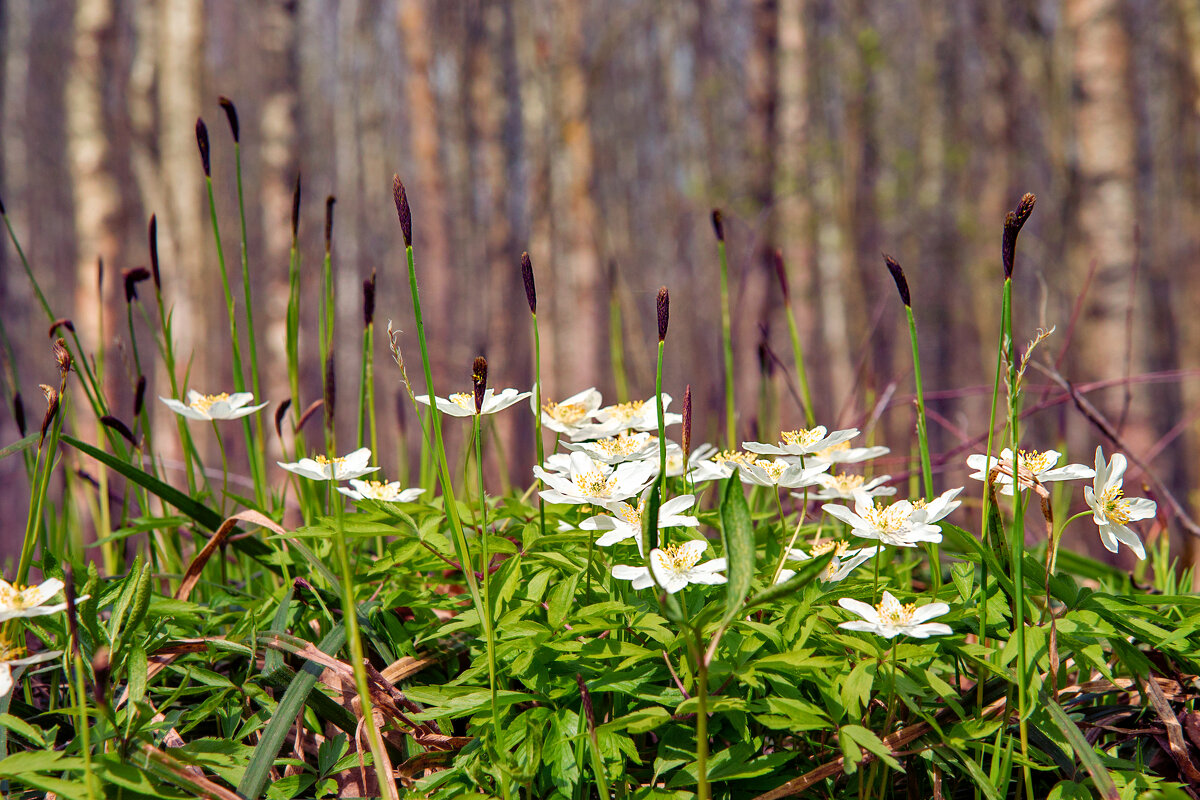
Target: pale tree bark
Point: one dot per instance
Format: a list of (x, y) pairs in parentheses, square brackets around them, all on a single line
[(185, 243), (97, 199)]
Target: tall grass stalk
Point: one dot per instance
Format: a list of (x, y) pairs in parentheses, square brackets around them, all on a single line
[(44, 462), (531, 297), (479, 379), (935, 564), (239, 378), (810, 418), (726, 333), (664, 315), (616, 337)]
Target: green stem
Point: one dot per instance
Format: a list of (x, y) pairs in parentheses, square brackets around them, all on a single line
[(537, 417), (257, 455), (801, 373), (662, 444), (485, 559), (935, 564), (702, 788)]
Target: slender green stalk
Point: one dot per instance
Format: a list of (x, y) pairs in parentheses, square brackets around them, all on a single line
[(537, 417), (726, 335), (702, 788), (485, 564), (43, 470), (797, 349), (662, 426), (616, 341)]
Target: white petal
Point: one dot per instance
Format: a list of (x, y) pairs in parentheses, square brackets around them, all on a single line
[(182, 410), (1140, 508), (859, 607), (928, 612), (929, 629)]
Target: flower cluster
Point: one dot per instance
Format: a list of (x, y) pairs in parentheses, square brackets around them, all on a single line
[(24, 602)]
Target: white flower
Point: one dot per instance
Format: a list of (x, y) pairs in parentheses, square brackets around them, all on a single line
[(28, 601), (1032, 465), (1111, 510), (779, 473), (620, 448), (637, 415), (213, 406), (845, 454), (571, 415), (843, 486), (890, 618), (837, 569), (674, 568), (351, 465), (379, 490), (717, 466), (802, 442), (10, 657), (901, 524), (592, 482), (462, 404), (675, 460), (626, 521)]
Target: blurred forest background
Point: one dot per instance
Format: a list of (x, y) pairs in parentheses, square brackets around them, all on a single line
[(598, 135)]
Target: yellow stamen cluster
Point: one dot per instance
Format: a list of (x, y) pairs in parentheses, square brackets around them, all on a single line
[(568, 414), (593, 483), (1116, 507), (10, 651), (774, 469), (821, 548), (623, 445), (846, 484), (631, 515), (12, 596), (206, 401), (377, 490), (680, 559), (827, 453), (889, 519), (325, 461), (464, 400), (802, 437), (896, 614), (733, 458), (1034, 461), (626, 411)]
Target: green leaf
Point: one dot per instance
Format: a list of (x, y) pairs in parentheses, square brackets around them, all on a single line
[(1084, 751), (650, 518), (803, 577), (854, 737), (18, 446), (737, 538)]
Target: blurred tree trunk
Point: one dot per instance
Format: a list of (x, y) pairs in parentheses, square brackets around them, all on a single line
[(97, 199), (183, 232)]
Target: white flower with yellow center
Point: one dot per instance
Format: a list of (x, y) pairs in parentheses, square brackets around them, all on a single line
[(571, 415), (890, 618), (1111, 510), (845, 454), (213, 406), (12, 655), (719, 465), (1031, 464), (842, 486), (593, 482), (674, 567), (844, 560), (780, 473), (636, 415), (618, 449), (626, 519), (804, 442), (901, 524), (380, 490), (322, 468), (28, 601), (462, 404)]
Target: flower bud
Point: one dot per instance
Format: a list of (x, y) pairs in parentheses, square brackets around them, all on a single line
[(61, 322), (898, 277), (51, 395), (527, 276), (479, 378), (230, 114)]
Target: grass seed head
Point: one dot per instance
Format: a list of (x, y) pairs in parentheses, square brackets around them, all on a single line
[(330, 390), (329, 201), (61, 322), (296, 208), (898, 277), (664, 312), (527, 276), (139, 396), (402, 209), (109, 421), (279, 412), (781, 272), (51, 395), (687, 425), (132, 277), (19, 413), (1013, 223), (231, 115), (369, 300), (718, 224), (62, 357), (202, 141), (152, 235), (479, 379)]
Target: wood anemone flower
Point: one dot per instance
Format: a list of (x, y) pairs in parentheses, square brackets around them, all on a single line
[(322, 468), (462, 404), (213, 406), (890, 618)]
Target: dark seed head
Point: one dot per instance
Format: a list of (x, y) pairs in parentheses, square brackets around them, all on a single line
[(718, 224), (898, 277), (3, 213), (120, 427), (402, 210), (231, 114), (781, 273), (19, 413), (296, 208), (61, 322), (202, 141), (308, 412), (139, 396), (664, 312), (1013, 223), (330, 390), (132, 277), (687, 425), (153, 237), (279, 412), (329, 201), (479, 379), (62, 357), (369, 300), (527, 276), (51, 395), (72, 613)]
